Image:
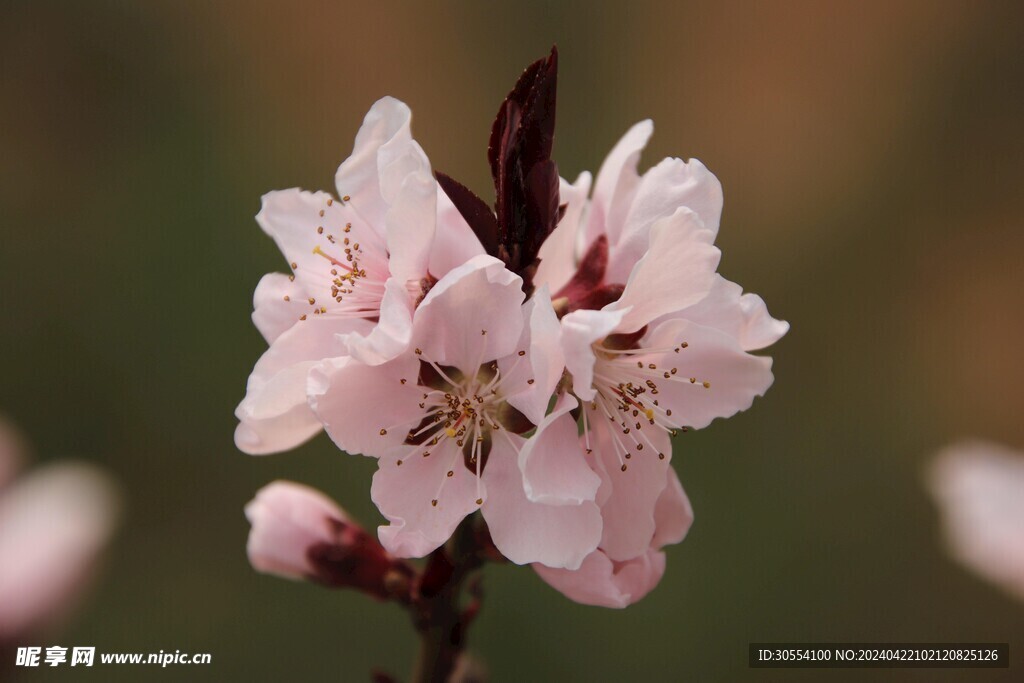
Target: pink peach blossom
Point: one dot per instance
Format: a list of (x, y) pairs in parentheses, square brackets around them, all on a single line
[(654, 339), (359, 263), (445, 421)]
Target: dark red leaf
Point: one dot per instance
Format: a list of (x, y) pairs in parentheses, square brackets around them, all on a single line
[(477, 213), (589, 275)]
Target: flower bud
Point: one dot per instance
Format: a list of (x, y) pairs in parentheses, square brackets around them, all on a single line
[(299, 533)]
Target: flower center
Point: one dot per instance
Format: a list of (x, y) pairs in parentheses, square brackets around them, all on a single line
[(626, 383), (460, 414)]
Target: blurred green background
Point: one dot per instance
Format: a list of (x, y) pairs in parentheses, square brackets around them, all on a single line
[(872, 158)]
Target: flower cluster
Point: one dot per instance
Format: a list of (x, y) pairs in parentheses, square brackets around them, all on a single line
[(530, 362)]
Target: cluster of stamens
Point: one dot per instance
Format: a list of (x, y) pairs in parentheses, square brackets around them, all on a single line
[(352, 292), (460, 417), (626, 384)]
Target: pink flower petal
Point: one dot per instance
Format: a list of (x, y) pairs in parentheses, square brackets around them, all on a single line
[(524, 531), (552, 462), (421, 501), (543, 362), (616, 184), (558, 253), (580, 329), (366, 409), (673, 514), (601, 582), (471, 315), (454, 241), (677, 271), (628, 497), (663, 190), (392, 334), (291, 218), (278, 303), (384, 152), (726, 379), (410, 221), (743, 317), (274, 415)]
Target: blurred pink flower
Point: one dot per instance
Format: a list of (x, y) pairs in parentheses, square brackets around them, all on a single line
[(359, 264), (445, 418), (54, 521), (299, 533), (979, 488)]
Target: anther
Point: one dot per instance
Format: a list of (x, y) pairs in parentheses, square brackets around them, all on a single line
[(383, 432), (434, 502)]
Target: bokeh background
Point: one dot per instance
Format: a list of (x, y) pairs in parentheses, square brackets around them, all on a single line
[(872, 159)]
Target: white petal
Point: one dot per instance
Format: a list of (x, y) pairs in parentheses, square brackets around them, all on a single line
[(629, 497), (677, 271), (278, 303)]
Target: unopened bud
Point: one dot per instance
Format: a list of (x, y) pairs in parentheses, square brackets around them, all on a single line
[(299, 533)]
